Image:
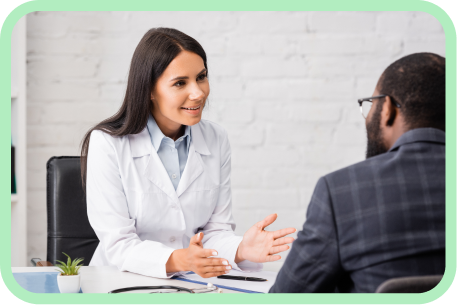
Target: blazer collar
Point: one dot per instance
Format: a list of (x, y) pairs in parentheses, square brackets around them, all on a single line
[(420, 135)]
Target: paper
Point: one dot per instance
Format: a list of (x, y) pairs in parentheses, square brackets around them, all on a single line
[(245, 285)]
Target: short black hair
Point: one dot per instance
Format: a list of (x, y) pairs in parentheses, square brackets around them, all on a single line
[(417, 83)]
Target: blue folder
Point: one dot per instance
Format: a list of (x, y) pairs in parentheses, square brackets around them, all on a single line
[(219, 286), (38, 282)]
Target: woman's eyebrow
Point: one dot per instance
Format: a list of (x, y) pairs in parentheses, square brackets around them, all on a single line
[(186, 77)]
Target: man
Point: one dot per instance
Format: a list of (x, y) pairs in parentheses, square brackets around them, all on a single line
[(384, 217)]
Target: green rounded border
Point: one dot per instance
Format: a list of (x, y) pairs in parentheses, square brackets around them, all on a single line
[(234, 5)]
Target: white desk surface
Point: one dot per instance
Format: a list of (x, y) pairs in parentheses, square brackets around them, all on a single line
[(104, 279)]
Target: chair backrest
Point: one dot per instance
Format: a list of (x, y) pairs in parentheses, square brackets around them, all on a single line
[(410, 284), (69, 230)]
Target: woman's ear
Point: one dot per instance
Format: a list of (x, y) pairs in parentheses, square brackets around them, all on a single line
[(388, 113)]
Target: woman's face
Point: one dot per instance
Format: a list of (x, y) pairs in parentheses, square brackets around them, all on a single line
[(180, 92)]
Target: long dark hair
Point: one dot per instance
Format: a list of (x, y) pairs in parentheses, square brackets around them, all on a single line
[(157, 48)]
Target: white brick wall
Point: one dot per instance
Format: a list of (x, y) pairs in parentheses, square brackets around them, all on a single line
[(284, 85)]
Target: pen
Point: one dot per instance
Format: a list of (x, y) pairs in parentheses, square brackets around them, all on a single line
[(241, 278)]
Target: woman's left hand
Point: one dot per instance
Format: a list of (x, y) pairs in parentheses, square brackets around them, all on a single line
[(261, 246)]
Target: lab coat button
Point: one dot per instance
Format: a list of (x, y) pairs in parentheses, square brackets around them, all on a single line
[(172, 239)]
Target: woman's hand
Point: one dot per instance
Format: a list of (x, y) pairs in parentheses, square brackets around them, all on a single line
[(195, 258), (260, 246)]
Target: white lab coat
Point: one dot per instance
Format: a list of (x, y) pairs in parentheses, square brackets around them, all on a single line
[(138, 216)]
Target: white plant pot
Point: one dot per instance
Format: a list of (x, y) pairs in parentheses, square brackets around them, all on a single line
[(69, 283)]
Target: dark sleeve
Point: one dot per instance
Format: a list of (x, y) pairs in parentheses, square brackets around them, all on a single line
[(313, 264)]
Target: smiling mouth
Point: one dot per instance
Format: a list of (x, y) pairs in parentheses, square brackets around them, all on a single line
[(191, 108)]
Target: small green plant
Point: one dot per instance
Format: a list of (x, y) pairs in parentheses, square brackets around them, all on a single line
[(69, 268)]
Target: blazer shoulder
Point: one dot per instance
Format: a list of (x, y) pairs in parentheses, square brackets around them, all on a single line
[(359, 170)]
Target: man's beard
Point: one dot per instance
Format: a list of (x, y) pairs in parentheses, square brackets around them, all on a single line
[(375, 143)]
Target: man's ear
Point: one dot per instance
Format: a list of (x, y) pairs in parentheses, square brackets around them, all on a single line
[(388, 113)]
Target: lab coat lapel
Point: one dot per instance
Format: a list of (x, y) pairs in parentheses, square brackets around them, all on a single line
[(141, 146), (193, 169), (157, 174), (194, 166)]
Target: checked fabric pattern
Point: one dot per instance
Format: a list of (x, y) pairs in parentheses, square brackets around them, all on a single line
[(375, 220)]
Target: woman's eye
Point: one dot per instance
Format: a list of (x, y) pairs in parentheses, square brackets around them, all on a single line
[(201, 77), (180, 83)]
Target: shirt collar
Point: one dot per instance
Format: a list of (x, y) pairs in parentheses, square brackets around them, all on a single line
[(157, 135)]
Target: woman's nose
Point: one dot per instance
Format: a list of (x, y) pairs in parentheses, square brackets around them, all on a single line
[(196, 93)]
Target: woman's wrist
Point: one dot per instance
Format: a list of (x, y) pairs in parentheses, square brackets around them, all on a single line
[(177, 261), (239, 253)]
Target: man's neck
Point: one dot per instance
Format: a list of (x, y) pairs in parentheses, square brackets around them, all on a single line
[(394, 132)]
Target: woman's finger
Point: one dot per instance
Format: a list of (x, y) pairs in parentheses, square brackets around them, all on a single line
[(213, 274), (274, 250), (272, 258), (207, 252), (266, 221), (209, 269), (283, 232), (196, 239), (215, 262), (283, 241)]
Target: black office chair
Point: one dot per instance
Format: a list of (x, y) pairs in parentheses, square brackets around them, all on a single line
[(69, 230), (410, 284)]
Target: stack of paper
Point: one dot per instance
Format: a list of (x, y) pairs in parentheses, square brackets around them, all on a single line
[(262, 287)]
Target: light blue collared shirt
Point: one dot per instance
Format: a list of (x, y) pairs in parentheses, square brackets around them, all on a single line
[(173, 154)]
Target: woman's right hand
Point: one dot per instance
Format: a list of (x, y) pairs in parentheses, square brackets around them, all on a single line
[(197, 259)]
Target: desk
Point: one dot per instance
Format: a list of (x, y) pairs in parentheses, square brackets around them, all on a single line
[(104, 279)]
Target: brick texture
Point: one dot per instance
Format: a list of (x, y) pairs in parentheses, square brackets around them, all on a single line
[(283, 84)]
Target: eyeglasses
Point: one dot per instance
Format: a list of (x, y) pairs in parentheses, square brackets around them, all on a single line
[(367, 102)]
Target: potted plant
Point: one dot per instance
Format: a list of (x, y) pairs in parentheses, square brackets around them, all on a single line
[(68, 279)]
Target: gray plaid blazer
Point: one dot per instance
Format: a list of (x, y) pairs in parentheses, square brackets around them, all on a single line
[(375, 220)]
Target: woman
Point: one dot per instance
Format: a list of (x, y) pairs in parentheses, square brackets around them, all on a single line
[(156, 174)]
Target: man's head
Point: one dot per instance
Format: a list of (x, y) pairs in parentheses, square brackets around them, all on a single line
[(415, 82)]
